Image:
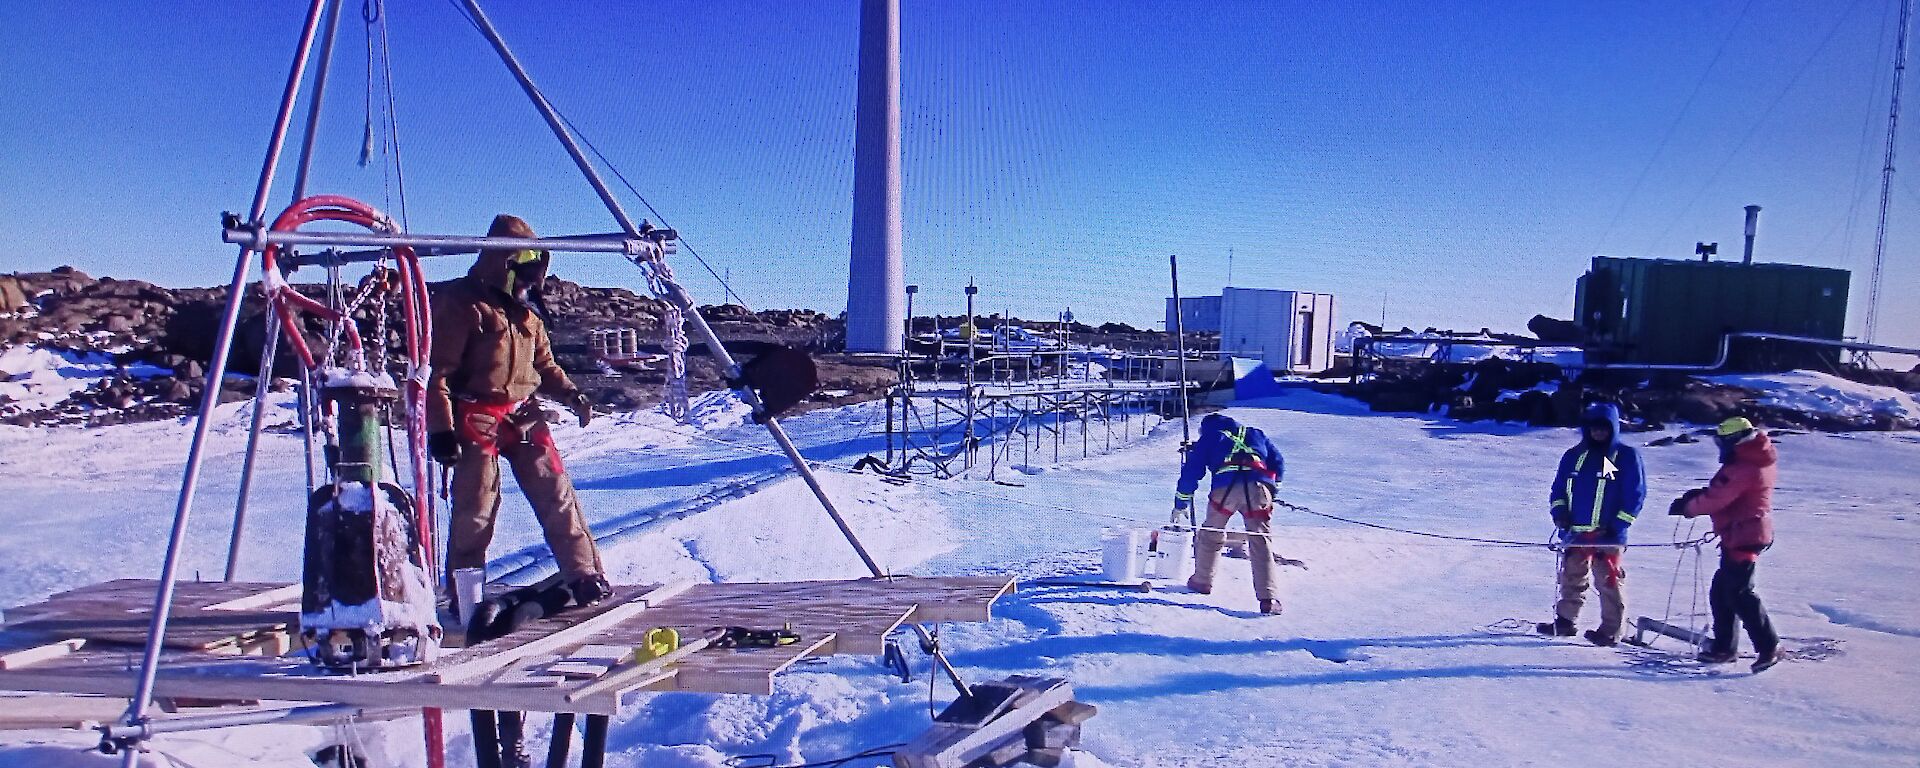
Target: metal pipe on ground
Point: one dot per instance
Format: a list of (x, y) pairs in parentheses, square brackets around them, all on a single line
[(1726, 352)]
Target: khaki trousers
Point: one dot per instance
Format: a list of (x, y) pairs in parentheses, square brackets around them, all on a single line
[(1254, 502), (528, 449), (1599, 567)]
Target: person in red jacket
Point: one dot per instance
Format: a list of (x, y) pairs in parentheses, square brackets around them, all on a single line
[(1740, 501)]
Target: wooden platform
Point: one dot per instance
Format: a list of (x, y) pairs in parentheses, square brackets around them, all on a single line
[(87, 641)]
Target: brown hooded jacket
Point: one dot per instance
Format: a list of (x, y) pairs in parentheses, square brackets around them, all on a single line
[(488, 346)]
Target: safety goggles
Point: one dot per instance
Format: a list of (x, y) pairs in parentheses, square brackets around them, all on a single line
[(524, 257)]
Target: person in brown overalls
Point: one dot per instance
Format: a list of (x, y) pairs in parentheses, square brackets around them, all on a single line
[(491, 355)]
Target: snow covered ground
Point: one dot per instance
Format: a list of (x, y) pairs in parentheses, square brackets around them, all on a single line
[(32, 377), (1394, 650), (1824, 393)]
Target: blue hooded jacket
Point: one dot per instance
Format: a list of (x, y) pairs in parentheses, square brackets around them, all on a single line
[(1233, 453), (1600, 486)]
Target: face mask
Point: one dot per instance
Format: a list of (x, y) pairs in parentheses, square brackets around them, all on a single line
[(522, 267), (1727, 446)]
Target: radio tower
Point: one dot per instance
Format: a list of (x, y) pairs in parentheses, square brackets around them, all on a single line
[(1886, 175)]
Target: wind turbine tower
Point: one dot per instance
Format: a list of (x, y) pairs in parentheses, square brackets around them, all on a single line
[(876, 282)]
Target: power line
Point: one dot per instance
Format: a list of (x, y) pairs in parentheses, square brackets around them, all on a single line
[(1754, 129), (1673, 126)]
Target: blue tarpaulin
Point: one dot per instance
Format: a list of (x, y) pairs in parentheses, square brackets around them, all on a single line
[(1253, 379)]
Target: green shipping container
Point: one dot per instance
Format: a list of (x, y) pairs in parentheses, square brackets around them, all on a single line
[(1670, 312)]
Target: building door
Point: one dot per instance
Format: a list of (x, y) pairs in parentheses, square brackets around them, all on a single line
[(1303, 357)]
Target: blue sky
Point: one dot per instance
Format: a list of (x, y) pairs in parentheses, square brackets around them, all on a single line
[(1457, 162)]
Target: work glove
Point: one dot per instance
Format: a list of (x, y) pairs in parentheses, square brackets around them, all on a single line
[(444, 447), (1179, 516), (1560, 518), (1679, 505), (582, 406)]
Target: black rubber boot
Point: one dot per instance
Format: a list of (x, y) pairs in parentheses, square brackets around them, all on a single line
[(1556, 628), (590, 590), (1594, 636), (1768, 660)]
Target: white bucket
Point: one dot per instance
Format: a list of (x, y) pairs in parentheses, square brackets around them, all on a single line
[(469, 586), (1122, 556), (1174, 560)]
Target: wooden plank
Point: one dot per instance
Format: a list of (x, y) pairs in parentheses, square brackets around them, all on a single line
[(529, 673), (831, 616), (22, 658), (742, 671), (579, 670), (812, 609), (485, 658), (34, 712), (638, 675), (278, 596), (365, 690)]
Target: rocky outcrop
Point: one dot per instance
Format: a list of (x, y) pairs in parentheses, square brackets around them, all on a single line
[(175, 329)]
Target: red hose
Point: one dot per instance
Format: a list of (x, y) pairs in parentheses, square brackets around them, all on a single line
[(284, 302)]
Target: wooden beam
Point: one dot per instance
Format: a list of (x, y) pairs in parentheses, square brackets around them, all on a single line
[(271, 598), (18, 659), (365, 690), (620, 680), (487, 659), (744, 671)]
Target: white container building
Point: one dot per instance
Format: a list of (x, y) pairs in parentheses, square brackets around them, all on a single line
[(1290, 331)]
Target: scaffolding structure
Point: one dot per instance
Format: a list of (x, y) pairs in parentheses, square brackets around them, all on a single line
[(646, 246), (949, 417)]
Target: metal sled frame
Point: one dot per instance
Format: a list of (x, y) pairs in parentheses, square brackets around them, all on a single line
[(252, 234), (1646, 624)]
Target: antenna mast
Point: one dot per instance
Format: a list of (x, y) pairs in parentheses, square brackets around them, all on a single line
[(1886, 174)]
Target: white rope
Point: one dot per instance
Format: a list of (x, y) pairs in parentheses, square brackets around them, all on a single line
[(949, 488)]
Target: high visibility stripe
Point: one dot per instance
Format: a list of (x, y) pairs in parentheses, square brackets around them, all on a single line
[(1240, 447), (1577, 465), (1599, 496), (1183, 495), (1599, 492)]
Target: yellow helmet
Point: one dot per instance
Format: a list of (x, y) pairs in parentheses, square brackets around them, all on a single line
[(1734, 426)]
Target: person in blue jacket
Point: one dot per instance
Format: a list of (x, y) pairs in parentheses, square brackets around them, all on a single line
[(1596, 496), (1246, 469)]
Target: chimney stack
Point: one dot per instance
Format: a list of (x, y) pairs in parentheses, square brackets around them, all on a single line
[(1753, 222)]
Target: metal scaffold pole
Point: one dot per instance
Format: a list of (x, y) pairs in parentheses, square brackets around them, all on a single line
[(210, 396), (263, 383), (1180, 350)]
